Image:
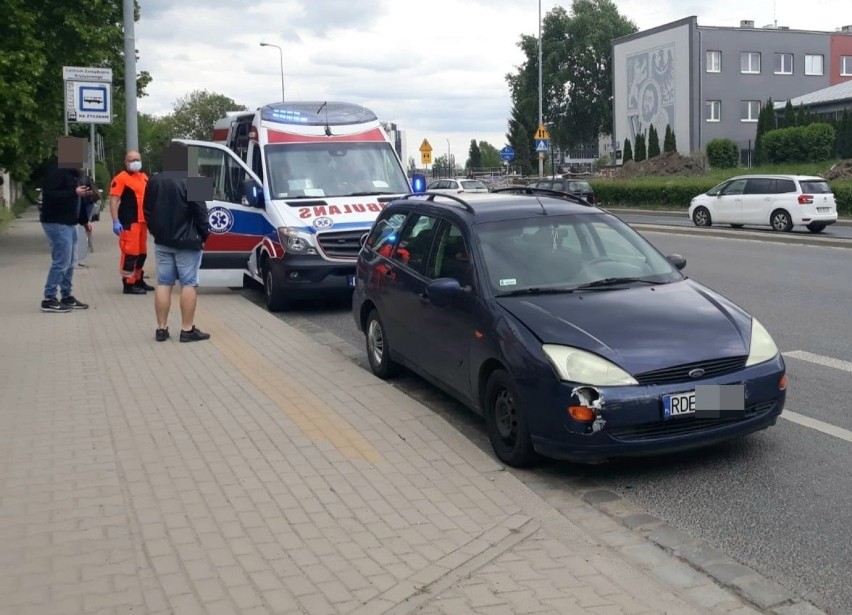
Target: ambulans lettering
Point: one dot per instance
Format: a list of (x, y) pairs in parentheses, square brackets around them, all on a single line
[(335, 210)]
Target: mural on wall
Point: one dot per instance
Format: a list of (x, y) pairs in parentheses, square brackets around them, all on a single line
[(651, 91)]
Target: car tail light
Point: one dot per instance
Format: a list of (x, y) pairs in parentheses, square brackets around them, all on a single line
[(806, 199)]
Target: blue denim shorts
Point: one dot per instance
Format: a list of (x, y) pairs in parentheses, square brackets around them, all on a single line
[(174, 264)]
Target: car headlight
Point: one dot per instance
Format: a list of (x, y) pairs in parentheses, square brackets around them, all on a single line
[(296, 242), (584, 367), (762, 348)]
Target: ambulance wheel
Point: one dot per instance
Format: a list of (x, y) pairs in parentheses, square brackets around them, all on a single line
[(276, 300)]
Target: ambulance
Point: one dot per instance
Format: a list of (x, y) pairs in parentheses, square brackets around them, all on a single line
[(296, 185)]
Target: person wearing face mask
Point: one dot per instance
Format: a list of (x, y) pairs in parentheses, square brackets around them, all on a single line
[(126, 195)]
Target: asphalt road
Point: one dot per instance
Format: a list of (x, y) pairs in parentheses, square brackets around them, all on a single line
[(779, 501), (839, 230)]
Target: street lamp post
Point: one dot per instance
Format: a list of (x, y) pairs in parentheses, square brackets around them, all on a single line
[(449, 174), (281, 57), (540, 117)]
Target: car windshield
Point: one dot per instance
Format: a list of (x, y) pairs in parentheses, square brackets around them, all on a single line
[(552, 253), (472, 184), (815, 187), (579, 187), (326, 169), (716, 189)]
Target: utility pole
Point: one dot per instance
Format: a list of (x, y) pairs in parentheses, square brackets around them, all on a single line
[(132, 125), (281, 61)]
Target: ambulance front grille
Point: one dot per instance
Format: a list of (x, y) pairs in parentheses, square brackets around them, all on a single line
[(341, 244)]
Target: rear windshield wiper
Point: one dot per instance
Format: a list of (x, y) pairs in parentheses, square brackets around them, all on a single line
[(539, 290), (606, 282)]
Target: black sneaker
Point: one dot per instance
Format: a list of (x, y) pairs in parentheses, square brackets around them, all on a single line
[(132, 289), (72, 303), (162, 335), (53, 305), (194, 335), (143, 285)]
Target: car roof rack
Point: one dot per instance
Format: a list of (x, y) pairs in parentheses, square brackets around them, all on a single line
[(468, 207)]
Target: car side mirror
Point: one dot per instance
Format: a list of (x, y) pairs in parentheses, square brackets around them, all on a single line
[(253, 193), (677, 260), (442, 291)]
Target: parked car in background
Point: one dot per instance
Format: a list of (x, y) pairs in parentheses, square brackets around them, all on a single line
[(575, 187), (779, 201), (568, 331), (456, 186)]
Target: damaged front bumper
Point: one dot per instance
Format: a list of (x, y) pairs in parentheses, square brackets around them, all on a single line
[(630, 421)]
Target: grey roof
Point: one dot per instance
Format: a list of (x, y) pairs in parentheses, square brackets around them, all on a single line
[(833, 94)]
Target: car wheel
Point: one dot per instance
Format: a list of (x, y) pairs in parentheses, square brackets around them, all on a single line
[(378, 348), (701, 217), (506, 422), (781, 221), (737, 225), (816, 228), (276, 301)]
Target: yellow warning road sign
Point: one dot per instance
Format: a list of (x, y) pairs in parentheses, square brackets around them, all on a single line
[(425, 157), (425, 147), (541, 133)]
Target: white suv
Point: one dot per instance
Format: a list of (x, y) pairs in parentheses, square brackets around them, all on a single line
[(780, 201)]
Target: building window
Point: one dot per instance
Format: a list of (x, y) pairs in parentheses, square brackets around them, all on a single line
[(714, 61), (713, 110), (846, 66), (750, 62), (813, 64), (783, 63), (750, 111)]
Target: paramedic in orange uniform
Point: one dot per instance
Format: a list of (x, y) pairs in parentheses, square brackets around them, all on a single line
[(126, 195)]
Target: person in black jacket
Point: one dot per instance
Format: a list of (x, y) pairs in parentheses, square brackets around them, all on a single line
[(179, 227), (60, 212)]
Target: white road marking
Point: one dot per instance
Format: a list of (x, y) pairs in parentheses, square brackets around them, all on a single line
[(806, 421), (846, 366)]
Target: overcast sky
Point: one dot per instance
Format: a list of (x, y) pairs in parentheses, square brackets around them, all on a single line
[(437, 68)]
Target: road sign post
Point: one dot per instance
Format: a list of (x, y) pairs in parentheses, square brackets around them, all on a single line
[(88, 100), (542, 144), (425, 153)]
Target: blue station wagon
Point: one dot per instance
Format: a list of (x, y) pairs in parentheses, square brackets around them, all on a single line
[(567, 330)]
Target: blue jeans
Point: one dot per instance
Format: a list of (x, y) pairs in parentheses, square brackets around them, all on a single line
[(63, 249), (174, 264)]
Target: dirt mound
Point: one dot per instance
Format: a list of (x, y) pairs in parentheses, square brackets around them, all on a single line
[(842, 170), (666, 164)]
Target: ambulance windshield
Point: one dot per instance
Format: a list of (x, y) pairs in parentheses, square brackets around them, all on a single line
[(327, 169)]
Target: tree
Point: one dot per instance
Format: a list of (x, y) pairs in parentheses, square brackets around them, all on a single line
[(474, 156), (194, 114), (653, 142), (641, 152), (576, 72), (790, 118), (38, 39), (520, 137), (627, 154), (670, 141), (490, 156), (765, 122), (844, 135)]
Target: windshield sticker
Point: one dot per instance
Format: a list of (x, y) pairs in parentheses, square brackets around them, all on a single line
[(335, 210), (508, 282)]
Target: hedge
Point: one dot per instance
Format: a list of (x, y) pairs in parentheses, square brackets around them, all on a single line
[(677, 194)]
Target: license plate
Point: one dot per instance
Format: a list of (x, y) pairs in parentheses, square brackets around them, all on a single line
[(678, 404), (823, 210), (350, 279)]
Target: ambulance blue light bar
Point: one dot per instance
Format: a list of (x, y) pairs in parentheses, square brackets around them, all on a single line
[(316, 113)]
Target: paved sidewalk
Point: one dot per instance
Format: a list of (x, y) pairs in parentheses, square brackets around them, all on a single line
[(261, 472)]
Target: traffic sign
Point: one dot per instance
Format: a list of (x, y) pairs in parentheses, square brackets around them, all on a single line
[(88, 94), (541, 134), (541, 145), (425, 147), (507, 154), (425, 156)]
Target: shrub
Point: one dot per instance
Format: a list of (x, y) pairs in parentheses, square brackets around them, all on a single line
[(653, 142), (723, 153), (669, 142), (641, 152), (628, 151), (800, 143)]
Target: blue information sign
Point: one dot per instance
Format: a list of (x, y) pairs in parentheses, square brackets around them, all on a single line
[(507, 154)]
